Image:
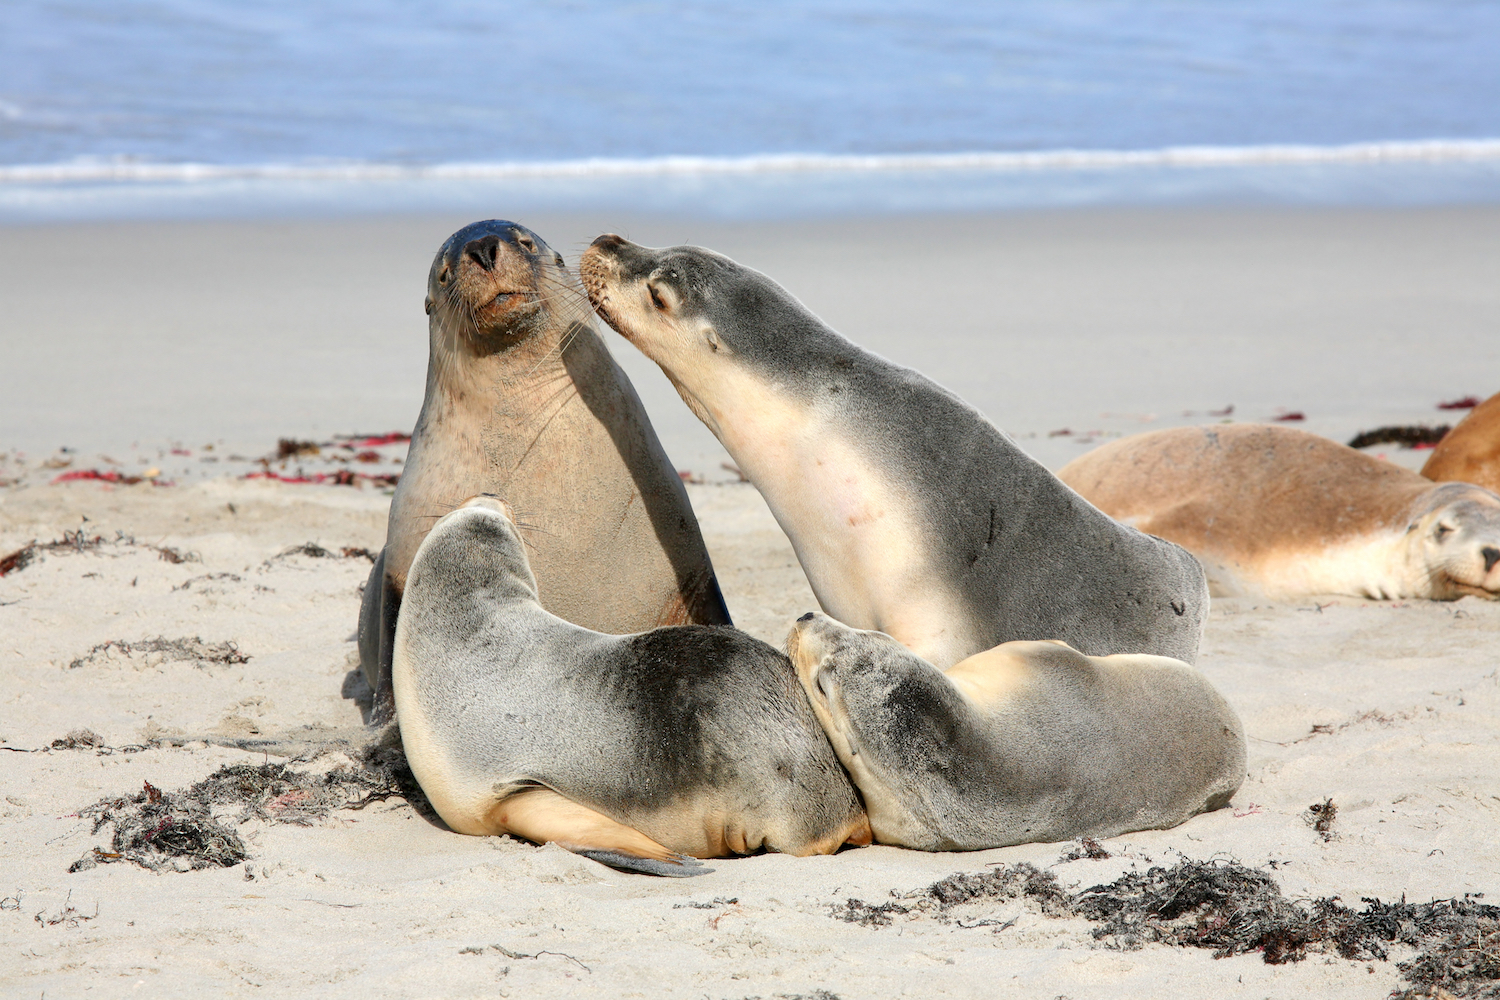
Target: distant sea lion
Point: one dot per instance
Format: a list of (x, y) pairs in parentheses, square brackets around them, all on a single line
[(1470, 452), (635, 749), (1284, 513), (910, 512), (1027, 742), (524, 399)]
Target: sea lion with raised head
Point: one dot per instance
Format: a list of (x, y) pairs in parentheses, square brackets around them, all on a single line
[(1027, 742), (1470, 452), (636, 750), (910, 512), (1284, 514), (523, 399)]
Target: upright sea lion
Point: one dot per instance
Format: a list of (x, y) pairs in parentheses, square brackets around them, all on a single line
[(633, 749), (524, 399), (1470, 452), (1284, 513), (1026, 742), (909, 511)]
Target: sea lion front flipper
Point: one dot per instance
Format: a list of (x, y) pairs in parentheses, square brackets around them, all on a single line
[(545, 816), (377, 636)]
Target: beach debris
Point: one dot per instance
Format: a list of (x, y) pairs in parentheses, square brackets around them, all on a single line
[(1290, 416), (315, 551), (735, 471), (1466, 403), (291, 448), (77, 542), (1223, 905), (937, 901), (479, 950), (1084, 849), (689, 476), (343, 477), (110, 476), (68, 914), (1407, 436), (1225, 412), (372, 440), (210, 578), (189, 830), (78, 739), (173, 650), (352, 552), (1320, 816)]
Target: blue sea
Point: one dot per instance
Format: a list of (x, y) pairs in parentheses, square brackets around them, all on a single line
[(141, 108)]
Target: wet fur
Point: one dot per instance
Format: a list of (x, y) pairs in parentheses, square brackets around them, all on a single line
[(909, 511), (523, 399), (1282, 513), (697, 737), (1027, 742)]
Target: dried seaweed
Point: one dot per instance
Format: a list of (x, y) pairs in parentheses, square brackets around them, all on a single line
[(78, 739), (1408, 436), (78, 542), (187, 830), (1236, 910), (195, 650), (1084, 849), (1320, 816)]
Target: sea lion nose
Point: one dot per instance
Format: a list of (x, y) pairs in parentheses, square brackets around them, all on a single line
[(807, 617), (1491, 556), (483, 251)]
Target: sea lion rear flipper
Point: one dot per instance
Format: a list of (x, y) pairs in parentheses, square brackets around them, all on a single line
[(545, 816), (686, 867)]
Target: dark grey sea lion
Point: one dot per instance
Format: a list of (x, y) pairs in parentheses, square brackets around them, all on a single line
[(632, 749)]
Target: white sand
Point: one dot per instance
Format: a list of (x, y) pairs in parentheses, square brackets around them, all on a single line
[(1355, 317)]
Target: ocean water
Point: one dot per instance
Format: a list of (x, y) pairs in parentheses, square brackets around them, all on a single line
[(169, 107)]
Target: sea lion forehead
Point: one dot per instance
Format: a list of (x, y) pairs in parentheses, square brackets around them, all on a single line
[(513, 233), (688, 269)]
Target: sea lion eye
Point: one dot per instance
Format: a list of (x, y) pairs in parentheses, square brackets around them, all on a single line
[(1442, 531), (427, 305), (527, 242), (712, 336), (443, 275), (656, 299), (559, 260)]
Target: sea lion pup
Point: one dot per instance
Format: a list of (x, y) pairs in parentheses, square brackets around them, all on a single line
[(1470, 452), (1283, 513), (635, 750), (524, 399), (1027, 742), (910, 512)]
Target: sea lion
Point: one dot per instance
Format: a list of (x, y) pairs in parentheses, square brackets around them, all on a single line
[(910, 512), (1470, 452), (1027, 742), (524, 399), (636, 750), (1283, 513)]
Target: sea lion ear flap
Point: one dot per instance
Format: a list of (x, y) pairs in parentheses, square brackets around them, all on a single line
[(711, 337)]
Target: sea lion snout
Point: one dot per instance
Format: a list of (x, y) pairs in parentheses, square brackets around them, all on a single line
[(1491, 556)]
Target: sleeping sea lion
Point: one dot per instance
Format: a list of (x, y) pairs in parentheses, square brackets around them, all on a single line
[(1284, 514)]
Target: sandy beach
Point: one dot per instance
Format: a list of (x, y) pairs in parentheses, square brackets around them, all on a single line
[(1094, 323)]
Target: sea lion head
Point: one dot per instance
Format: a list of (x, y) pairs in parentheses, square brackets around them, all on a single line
[(495, 283), (1457, 530), (895, 723), (699, 315), (476, 547)]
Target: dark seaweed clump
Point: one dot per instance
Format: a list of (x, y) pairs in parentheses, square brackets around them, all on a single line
[(187, 830), (193, 650), (1410, 436), (1236, 910)]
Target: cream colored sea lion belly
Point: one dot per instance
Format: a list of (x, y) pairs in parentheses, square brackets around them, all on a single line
[(1284, 514)]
